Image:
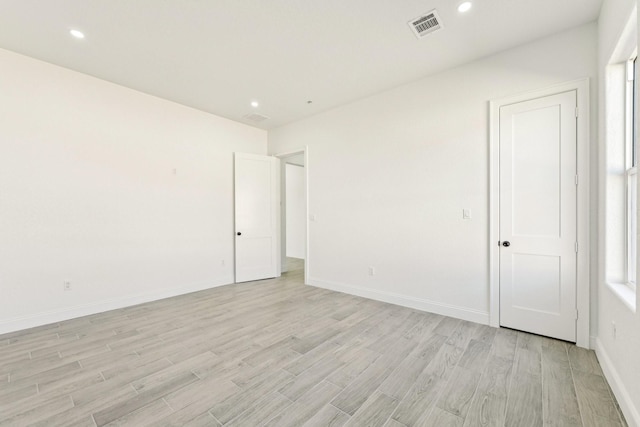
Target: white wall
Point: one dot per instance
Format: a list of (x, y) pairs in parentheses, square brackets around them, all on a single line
[(88, 194), (392, 172), (618, 356), (296, 211)]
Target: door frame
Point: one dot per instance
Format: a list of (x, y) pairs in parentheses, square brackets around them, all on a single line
[(282, 157), (583, 202)]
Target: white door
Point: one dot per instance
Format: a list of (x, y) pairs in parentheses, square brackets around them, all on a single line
[(257, 189), (538, 149)]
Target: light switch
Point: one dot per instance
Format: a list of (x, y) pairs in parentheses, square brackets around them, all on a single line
[(466, 214), (312, 217)]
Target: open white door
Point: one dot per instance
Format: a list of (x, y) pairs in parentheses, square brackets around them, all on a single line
[(257, 189), (538, 216)]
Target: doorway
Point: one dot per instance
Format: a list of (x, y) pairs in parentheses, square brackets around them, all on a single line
[(293, 214), (539, 213)]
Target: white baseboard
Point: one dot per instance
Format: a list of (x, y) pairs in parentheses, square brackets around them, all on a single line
[(463, 313), (622, 395), (54, 316)]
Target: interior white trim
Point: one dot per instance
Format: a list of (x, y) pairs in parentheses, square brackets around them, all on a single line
[(630, 412), (458, 312), (54, 316), (592, 341), (305, 152), (583, 135), (624, 293), (290, 153)]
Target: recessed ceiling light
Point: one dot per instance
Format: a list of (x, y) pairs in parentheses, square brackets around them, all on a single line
[(464, 7), (254, 104), (77, 34)]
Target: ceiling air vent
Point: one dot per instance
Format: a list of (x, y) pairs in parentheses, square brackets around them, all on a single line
[(255, 117), (425, 24)]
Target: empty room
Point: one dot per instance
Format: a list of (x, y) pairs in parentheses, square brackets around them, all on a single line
[(319, 213)]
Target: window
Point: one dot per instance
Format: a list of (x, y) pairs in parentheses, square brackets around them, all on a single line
[(619, 238), (631, 170)]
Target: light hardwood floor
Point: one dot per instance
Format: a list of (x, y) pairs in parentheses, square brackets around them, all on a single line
[(278, 353)]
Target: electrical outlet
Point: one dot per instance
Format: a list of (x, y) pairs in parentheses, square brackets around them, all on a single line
[(614, 330), (67, 285), (372, 271)]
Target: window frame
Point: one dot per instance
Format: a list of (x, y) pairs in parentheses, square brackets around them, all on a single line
[(631, 171)]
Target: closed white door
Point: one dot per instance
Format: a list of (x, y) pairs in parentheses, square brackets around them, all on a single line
[(538, 216), (257, 201)]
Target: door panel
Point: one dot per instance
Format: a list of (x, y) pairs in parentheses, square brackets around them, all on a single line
[(538, 216), (535, 175), (538, 279), (256, 217)]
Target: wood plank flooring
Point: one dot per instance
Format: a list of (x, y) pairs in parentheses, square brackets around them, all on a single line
[(278, 353)]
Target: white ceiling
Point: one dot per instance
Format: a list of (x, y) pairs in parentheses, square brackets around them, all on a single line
[(218, 55)]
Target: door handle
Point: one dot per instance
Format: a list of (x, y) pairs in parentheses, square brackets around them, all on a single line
[(239, 233), (506, 244)]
